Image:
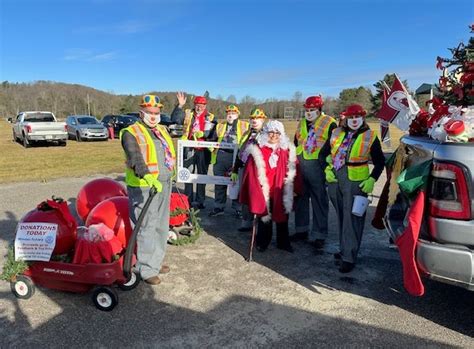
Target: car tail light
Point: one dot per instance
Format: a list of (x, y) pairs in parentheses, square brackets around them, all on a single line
[(28, 129), (65, 128), (449, 192)]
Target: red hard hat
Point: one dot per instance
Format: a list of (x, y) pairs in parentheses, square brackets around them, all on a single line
[(314, 102), (354, 110), (200, 100)]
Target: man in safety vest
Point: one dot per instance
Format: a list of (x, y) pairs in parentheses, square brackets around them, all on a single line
[(311, 134), (257, 118), (198, 125), (150, 162), (230, 131), (347, 153)]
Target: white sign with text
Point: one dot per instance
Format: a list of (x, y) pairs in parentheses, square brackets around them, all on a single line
[(35, 241), (185, 171)]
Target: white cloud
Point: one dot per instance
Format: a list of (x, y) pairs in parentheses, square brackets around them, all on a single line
[(126, 27), (107, 56), (75, 54), (86, 55)]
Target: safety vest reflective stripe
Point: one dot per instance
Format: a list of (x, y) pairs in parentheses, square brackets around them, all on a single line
[(321, 131), (145, 148), (361, 148), (148, 151), (242, 127), (357, 162), (189, 115)]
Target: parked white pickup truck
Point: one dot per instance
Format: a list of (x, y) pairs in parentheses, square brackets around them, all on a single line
[(33, 126)]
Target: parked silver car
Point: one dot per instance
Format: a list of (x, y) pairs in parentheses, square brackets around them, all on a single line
[(85, 127)]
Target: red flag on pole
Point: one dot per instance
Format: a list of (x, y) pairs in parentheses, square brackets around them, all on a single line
[(399, 108), (384, 125)]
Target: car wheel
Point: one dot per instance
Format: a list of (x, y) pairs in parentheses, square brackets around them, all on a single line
[(78, 137), (104, 298), (62, 143), (26, 144)]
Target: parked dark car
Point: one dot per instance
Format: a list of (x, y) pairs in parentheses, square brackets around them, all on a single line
[(118, 122), (174, 129)]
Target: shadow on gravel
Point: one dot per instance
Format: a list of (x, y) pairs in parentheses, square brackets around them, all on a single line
[(142, 321), (377, 276)]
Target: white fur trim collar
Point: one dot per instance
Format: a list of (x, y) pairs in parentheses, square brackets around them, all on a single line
[(288, 184)]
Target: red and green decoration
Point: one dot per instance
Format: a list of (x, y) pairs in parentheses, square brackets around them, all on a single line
[(456, 81)]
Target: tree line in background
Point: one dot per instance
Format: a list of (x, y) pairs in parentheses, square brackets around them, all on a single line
[(69, 99)]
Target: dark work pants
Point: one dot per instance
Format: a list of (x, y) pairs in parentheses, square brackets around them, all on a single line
[(199, 162), (351, 227), (265, 232), (314, 189), (222, 167)]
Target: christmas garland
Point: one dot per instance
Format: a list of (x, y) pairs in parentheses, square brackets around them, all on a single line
[(197, 229), (12, 268)]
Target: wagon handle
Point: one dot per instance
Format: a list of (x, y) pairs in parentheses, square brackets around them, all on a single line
[(127, 264)]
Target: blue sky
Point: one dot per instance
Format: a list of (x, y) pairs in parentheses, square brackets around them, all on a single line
[(265, 49)]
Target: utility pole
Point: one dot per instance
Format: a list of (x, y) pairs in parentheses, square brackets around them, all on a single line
[(88, 106)]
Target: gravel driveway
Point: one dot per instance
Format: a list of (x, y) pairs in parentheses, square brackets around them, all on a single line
[(214, 298)]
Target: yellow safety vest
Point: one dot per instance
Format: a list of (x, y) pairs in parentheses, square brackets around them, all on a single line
[(242, 128), (358, 161), (321, 130), (147, 148), (188, 121)]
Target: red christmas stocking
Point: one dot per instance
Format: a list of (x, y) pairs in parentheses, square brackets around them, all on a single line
[(406, 246)]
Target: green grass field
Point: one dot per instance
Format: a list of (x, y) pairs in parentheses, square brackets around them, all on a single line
[(43, 163)]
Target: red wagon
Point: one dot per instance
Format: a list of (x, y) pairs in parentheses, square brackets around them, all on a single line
[(81, 278)]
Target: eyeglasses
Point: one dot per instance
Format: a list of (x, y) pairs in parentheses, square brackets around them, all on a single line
[(274, 133), (148, 98)]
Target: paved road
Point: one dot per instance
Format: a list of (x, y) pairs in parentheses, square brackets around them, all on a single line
[(213, 298)]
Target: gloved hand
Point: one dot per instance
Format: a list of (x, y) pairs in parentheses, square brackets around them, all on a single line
[(153, 182), (197, 135), (234, 177), (330, 175), (367, 186)]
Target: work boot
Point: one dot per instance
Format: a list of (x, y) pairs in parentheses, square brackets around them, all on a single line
[(318, 244), (164, 269), (299, 236), (337, 258), (216, 212), (198, 206), (154, 280), (346, 267), (287, 248)]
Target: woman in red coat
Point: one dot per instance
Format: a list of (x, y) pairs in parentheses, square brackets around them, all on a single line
[(268, 184)]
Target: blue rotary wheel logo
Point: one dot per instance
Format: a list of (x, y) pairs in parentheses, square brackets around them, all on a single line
[(49, 239), (184, 174)]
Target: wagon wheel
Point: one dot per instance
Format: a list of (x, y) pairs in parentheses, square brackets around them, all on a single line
[(104, 298), (132, 283), (23, 287)]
